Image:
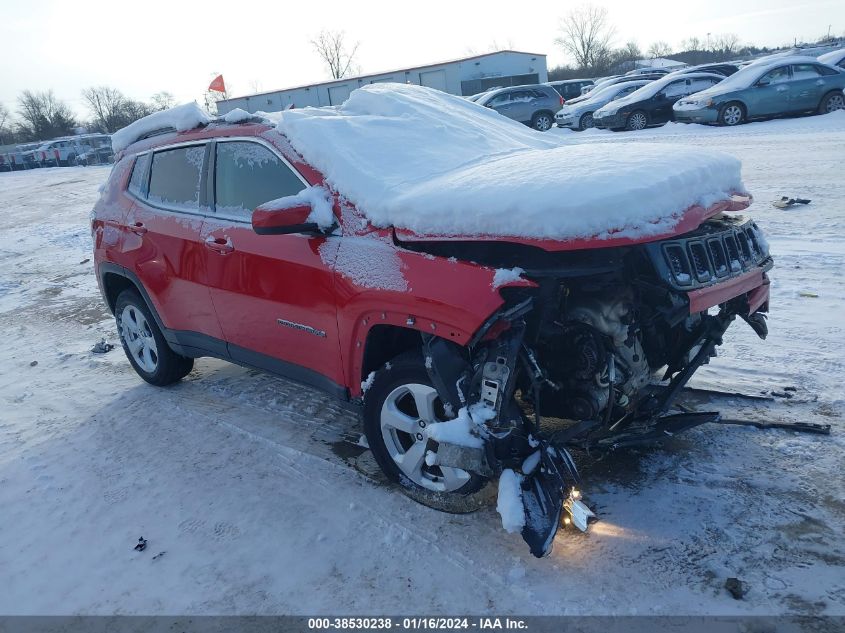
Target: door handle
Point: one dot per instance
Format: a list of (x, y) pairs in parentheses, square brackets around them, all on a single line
[(781, 88), (220, 245), (138, 228)]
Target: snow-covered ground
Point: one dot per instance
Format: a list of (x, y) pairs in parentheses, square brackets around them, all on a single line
[(255, 497)]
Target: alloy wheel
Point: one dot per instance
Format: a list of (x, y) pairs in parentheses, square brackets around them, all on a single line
[(406, 414), (542, 123), (732, 115), (637, 121), (587, 121), (138, 336), (835, 102)]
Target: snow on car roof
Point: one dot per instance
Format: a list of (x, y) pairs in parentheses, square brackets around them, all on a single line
[(181, 118), (420, 159), (747, 75)]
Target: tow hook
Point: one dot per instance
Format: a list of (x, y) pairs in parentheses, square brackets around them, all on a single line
[(579, 513)]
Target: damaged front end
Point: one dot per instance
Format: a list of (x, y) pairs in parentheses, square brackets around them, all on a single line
[(593, 355)]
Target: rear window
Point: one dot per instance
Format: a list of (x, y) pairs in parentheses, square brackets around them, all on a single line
[(138, 181), (247, 175), (176, 177)]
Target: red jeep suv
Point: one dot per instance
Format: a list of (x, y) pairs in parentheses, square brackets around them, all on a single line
[(221, 241)]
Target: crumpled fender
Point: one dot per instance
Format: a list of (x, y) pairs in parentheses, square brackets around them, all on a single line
[(444, 297)]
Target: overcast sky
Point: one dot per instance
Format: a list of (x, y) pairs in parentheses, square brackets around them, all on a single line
[(145, 46)]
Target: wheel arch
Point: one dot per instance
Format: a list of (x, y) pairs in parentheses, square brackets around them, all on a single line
[(385, 342)]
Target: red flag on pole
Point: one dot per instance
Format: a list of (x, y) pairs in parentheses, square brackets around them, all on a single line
[(217, 85)]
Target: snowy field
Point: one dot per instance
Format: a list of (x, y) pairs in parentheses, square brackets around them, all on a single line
[(255, 498)]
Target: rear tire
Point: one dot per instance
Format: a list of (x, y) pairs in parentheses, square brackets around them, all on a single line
[(732, 113), (542, 121), (399, 404), (144, 344), (831, 102)]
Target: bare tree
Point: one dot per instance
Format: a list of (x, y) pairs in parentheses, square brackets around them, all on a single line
[(726, 43), (43, 116), (693, 44), (659, 49), (106, 105), (586, 35), (332, 49), (112, 110), (6, 133), (162, 100)]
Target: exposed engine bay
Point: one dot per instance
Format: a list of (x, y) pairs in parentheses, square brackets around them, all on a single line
[(603, 340)]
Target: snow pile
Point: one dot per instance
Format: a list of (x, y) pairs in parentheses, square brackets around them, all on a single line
[(318, 198), (506, 275), (423, 160), (184, 117), (237, 116), (509, 503)]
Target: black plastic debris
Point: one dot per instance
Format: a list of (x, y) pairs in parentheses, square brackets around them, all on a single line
[(141, 545), (785, 202), (102, 347), (736, 587), (160, 554), (33, 363)]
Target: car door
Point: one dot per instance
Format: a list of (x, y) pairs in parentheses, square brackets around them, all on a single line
[(771, 93), (502, 104), (274, 294), (661, 111), (807, 87), (523, 104), (163, 235)]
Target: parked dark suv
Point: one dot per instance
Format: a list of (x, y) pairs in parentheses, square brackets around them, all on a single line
[(570, 88), (534, 105)]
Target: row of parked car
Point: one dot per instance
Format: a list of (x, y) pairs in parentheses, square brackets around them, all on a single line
[(83, 149), (722, 94)]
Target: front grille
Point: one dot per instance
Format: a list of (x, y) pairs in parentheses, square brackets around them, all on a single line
[(714, 252)]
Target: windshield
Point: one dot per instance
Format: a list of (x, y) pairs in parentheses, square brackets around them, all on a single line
[(609, 92)]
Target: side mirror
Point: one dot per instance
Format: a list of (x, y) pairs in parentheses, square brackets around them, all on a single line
[(270, 220), (761, 84), (660, 96)]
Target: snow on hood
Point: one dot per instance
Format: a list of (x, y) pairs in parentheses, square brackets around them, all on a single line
[(420, 159), (181, 118)]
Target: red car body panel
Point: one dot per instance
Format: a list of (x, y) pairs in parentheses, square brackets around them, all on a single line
[(221, 279)]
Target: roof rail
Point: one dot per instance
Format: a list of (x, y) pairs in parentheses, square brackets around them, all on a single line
[(158, 132)]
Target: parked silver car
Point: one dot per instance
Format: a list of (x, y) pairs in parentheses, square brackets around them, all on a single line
[(579, 115), (764, 89), (535, 105)]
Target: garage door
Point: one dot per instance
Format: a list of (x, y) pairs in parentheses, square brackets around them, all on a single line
[(434, 79), (338, 94)]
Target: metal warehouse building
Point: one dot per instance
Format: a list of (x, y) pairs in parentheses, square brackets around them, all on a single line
[(466, 76)]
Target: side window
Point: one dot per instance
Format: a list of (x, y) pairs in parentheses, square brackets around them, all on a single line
[(626, 91), (824, 71), (175, 178), (776, 76), (521, 96), (248, 175), (499, 99), (804, 71), (696, 85), (676, 88), (138, 180)]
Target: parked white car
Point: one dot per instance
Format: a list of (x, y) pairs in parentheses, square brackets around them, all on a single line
[(58, 152)]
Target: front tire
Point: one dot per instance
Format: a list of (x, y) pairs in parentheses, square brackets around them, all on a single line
[(832, 102), (399, 405), (586, 121), (144, 344), (637, 120), (731, 114), (542, 121)]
